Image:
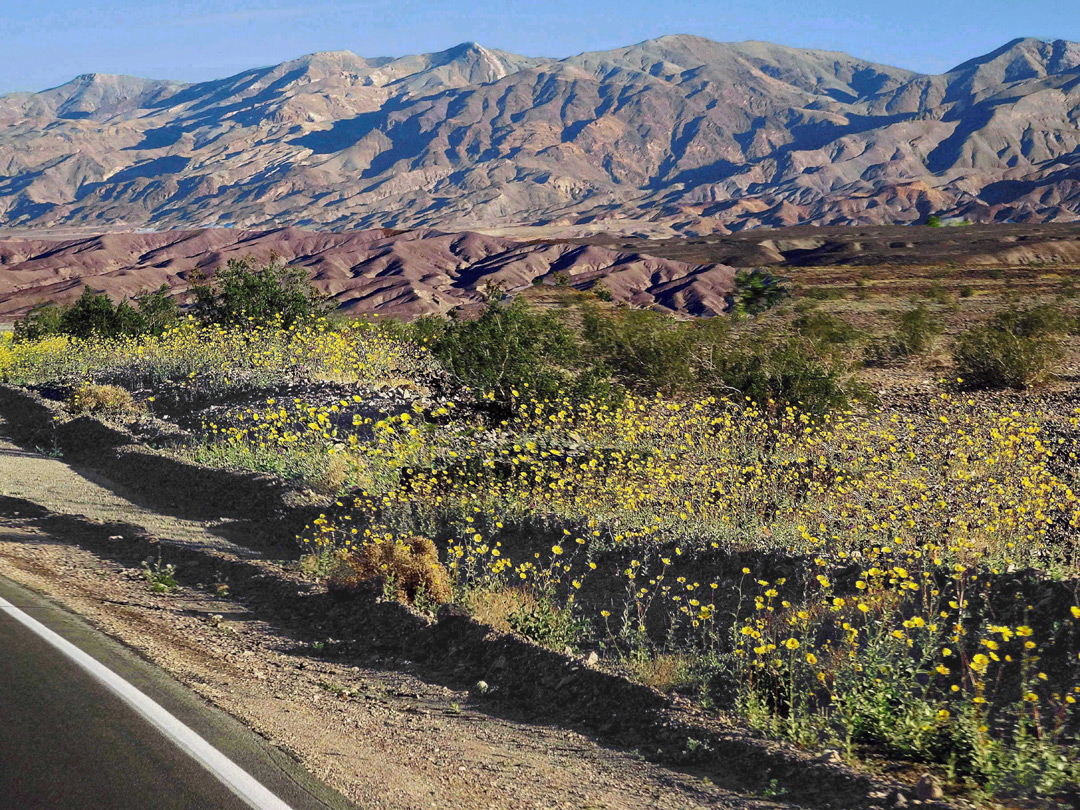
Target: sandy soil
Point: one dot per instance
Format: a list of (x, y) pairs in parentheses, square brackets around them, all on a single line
[(384, 737)]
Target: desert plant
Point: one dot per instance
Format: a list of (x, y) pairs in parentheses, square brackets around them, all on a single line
[(825, 328), (42, 320), (160, 576), (244, 290), (646, 351), (94, 314), (756, 291), (1015, 349), (774, 370), (510, 348), (917, 330), (90, 398), (410, 569), (548, 623), (157, 310)]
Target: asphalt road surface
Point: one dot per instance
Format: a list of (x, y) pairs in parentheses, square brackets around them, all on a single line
[(69, 742)]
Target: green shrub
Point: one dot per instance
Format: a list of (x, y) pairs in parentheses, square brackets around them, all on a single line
[(95, 314), (775, 370), (917, 330), (757, 291), (649, 352), (157, 310), (243, 290), (42, 320), (937, 293), (1015, 349), (825, 293), (509, 348), (826, 329)]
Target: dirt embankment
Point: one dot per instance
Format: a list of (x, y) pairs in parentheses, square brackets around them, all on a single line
[(302, 665)]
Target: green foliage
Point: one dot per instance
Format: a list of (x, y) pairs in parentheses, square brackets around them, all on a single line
[(42, 320), (601, 291), (824, 293), (95, 314), (161, 577), (548, 624), (245, 291), (509, 348), (775, 370), (1015, 349), (917, 330), (937, 293), (757, 291), (648, 352), (157, 310), (825, 329), (934, 221)]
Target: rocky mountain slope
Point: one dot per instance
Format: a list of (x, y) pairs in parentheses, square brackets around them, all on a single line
[(677, 134), (399, 274)]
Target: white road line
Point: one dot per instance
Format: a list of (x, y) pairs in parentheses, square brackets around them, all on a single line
[(231, 775)]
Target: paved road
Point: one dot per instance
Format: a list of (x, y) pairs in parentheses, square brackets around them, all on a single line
[(70, 743)]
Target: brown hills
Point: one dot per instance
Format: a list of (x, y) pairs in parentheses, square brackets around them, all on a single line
[(674, 135), (401, 274)]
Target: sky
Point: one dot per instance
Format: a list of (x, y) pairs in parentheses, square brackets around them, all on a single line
[(45, 44)]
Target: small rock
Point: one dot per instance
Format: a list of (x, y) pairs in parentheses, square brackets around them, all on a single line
[(592, 659), (830, 756), (899, 801), (115, 537), (928, 788)]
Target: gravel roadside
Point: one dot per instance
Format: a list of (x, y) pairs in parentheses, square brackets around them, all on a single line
[(380, 734)]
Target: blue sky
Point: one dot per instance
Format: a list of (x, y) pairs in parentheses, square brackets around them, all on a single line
[(47, 43)]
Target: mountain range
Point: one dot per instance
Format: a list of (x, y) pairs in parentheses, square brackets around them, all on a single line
[(677, 135)]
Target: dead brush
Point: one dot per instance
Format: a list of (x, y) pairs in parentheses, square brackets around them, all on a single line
[(90, 398), (409, 567)]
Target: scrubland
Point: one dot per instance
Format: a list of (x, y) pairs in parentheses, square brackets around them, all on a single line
[(877, 556)]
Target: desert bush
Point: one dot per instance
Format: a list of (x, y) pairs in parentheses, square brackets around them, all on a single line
[(757, 291), (90, 398), (410, 568), (244, 291), (825, 293), (509, 349), (825, 328), (157, 310), (649, 352), (937, 293), (916, 332), (775, 370), (94, 314), (547, 622), (1015, 349), (41, 321)]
